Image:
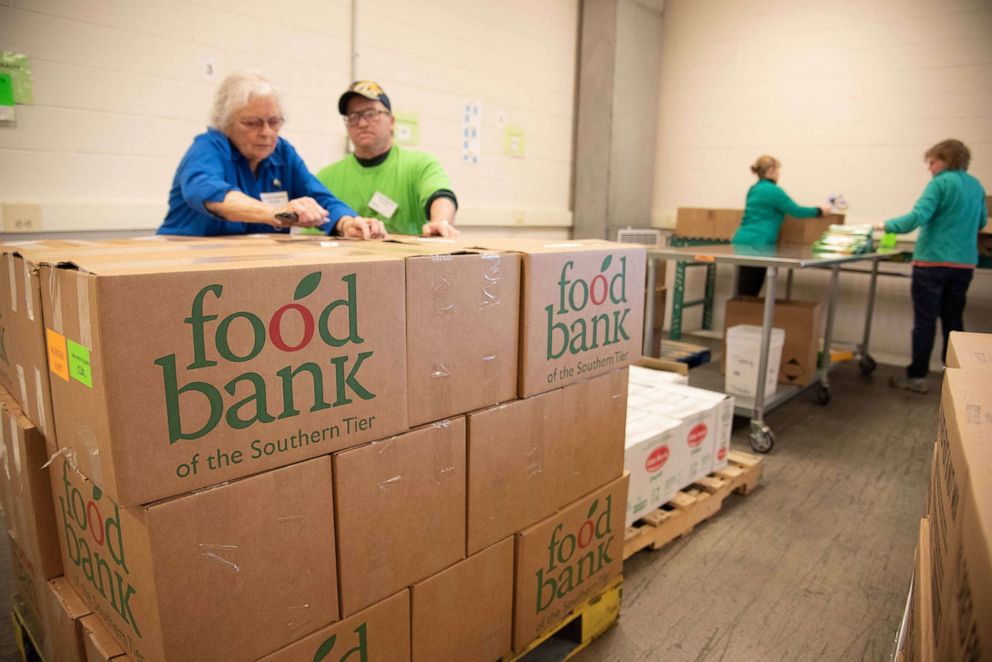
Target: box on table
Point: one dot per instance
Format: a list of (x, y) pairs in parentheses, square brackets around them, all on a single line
[(743, 357), (462, 326), (63, 609), (97, 642), (582, 306), (657, 462), (707, 223), (564, 559), (231, 572), (379, 632), (530, 457), (26, 492), (806, 230), (960, 514), (466, 611), (245, 365), (401, 511), (801, 321), (969, 350)]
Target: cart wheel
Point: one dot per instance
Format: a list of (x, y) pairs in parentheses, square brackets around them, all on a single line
[(762, 439), (823, 394), (867, 365)]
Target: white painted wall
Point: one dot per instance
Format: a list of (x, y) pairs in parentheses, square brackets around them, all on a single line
[(120, 89), (848, 95)]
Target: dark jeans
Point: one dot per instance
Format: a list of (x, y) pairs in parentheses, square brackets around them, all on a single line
[(749, 281), (937, 292)]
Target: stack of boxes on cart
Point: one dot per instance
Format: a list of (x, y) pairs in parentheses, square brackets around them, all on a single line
[(950, 610), (255, 448)]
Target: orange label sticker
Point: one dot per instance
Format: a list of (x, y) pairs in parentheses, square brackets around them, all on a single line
[(58, 358), (704, 258)]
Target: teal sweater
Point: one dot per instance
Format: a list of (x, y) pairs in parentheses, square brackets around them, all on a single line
[(949, 214), (765, 209)]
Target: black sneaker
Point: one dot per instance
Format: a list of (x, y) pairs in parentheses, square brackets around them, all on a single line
[(914, 384)]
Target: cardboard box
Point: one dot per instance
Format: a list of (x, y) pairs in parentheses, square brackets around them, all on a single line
[(707, 223), (803, 325), (248, 364), (462, 325), (582, 309), (400, 511), (466, 611), (969, 350), (232, 572), (921, 645), (566, 558), (26, 491), (63, 610), (657, 462), (380, 632), (27, 590), (530, 457), (805, 231), (960, 514), (97, 642)]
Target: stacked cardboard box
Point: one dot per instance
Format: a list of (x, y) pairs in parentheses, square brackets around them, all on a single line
[(233, 476), (952, 607)]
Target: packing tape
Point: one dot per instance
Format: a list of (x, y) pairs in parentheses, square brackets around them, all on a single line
[(55, 295), (86, 438), (22, 381), (83, 308), (441, 389), (62, 452), (3, 448), (492, 273), (442, 289), (40, 403), (12, 279), (28, 291), (535, 454), (444, 453), (490, 378), (15, 446), (221, 554)]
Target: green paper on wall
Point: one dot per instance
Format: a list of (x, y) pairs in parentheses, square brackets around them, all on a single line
[(18, 67), (6, 90)]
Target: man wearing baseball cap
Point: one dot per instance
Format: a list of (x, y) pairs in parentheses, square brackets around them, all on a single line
[(407, 190)]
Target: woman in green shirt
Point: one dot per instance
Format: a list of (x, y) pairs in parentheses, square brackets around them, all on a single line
[(765, 210)]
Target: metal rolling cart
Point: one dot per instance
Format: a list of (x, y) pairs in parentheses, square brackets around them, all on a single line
[(773, 259)]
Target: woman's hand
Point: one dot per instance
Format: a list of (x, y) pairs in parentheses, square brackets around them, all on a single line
[(358, 227), (826, 210), (308, 213), (439, 229)]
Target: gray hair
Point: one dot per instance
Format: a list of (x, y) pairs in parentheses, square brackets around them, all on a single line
[(236, 92)]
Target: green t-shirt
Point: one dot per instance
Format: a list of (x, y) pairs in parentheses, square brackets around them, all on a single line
[(409, 178), (764, 212)]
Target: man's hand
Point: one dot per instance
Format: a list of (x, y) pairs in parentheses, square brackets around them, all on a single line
[(358, 227), (308, 213), (439, 229)]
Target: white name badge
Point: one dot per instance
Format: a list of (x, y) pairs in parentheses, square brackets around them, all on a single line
[(276, 198), (383, 205)]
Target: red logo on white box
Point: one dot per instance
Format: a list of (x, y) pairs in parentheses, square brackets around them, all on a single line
[(697, 435), (722, 453), (657, 459)]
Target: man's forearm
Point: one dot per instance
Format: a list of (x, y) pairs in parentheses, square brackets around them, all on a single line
[(443, 209)]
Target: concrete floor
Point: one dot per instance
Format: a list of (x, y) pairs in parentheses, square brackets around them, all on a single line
[(813, 565)]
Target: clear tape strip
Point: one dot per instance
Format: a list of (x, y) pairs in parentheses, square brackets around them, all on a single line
[(444, 453), (492, 273), (12, 279), (93, 468), (55, 295), (28, 291), (490, 375), (535, 455), (3, 453), (83, 308), (40, 403), (23, 383), (15, 446), (442, 287)]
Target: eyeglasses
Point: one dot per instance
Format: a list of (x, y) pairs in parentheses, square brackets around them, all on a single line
[(256, 123), (352, 119)]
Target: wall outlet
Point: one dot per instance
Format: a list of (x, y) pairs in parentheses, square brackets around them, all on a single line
[(21, 218)]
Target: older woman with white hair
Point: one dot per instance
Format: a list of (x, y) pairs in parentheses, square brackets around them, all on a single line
[(240, 177)]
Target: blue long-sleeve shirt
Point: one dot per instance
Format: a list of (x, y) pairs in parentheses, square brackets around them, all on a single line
[(764, 211), (949, 214), (212, 166)]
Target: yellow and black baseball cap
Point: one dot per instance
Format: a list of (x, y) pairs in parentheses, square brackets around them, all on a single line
[(364, 88)]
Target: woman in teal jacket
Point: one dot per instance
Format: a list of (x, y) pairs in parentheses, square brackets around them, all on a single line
[(765, 209), (949, 215)]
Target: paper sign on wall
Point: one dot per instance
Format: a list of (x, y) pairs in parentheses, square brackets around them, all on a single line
[(6, 98), (472, 131), (18, 66), (407, 129), (513, 141)]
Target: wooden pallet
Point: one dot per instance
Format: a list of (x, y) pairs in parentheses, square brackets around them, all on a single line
[(577, 630), (693, 505), (23, 637)]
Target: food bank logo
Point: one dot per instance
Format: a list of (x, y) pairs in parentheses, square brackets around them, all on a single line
[(564, 572), (95, 545), (657, 459), (597, 329), (325, 319), (697, 435), (360, 650)]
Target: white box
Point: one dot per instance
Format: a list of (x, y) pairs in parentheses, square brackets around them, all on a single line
[(654, 378), (743, 355), (657, 458)]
